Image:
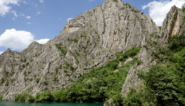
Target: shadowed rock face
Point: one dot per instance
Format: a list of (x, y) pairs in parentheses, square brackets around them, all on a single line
[(87, 41), (173, 24)]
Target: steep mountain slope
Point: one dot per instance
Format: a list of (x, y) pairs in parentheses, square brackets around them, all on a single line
[(90, 40), (173, 25)]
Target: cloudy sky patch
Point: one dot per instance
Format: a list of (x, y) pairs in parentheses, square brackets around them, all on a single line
[(159, 9)]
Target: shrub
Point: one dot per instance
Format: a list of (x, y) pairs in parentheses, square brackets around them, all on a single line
[(183, 10), (122, 8), (163, 85), (97, 86), (57, 95), (56, 70), (159, 27), (113, 64), (1, 97), (31, 98), (164, 82), (23, 66), (73, 40), (27, 64), (176, 43), (133, 98), (3, 80), (61, 49), (129, 53), (21, 97), (37, 80), (23, 60), (44, 97), (46, 82)]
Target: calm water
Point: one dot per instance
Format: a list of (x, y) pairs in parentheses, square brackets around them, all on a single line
[(3, 103)]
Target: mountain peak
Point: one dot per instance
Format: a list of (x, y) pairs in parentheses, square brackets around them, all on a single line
[(111, 2), (90, 40)]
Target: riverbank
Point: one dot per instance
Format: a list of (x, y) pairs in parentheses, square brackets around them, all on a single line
[(11, 103)]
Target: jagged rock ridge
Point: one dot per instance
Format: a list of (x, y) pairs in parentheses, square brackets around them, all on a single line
[(87, 41), (173, 25)]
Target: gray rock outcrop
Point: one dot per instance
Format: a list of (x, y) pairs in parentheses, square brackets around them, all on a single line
[(173, 24), (90, 40)]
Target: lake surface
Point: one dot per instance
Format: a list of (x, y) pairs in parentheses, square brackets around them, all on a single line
[(5, 103)]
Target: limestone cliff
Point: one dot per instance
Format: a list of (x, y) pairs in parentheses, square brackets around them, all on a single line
[(90, 40), (173, 23), (172, 26)]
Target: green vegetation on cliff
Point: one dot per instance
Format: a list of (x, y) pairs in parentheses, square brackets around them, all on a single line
[(1, 97), (164, 82), (97, 86)]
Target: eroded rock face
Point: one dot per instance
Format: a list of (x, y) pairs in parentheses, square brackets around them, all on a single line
[(173, 24), (87, 41), (132, 79)]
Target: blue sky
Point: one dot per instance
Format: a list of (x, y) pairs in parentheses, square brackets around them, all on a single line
[(25, 21)]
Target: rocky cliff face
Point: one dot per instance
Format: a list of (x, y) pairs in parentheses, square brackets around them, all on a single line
[(173, 25), (90, 40)]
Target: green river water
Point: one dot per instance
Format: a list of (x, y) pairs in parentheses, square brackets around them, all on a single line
[(5, 103)]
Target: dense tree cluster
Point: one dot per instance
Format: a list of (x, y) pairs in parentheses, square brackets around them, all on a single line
[(164, 82), (97, 86)]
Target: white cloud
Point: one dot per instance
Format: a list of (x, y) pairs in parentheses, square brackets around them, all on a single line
[(42, 41), (38, 12), (28, 17), (4, 6), (36, 5), (29, 23), (15, 14), (1, 52), (22, 14), (24, 2), (69, 19), (159, 9), (41, 1), (18, 39), (14, 39)]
